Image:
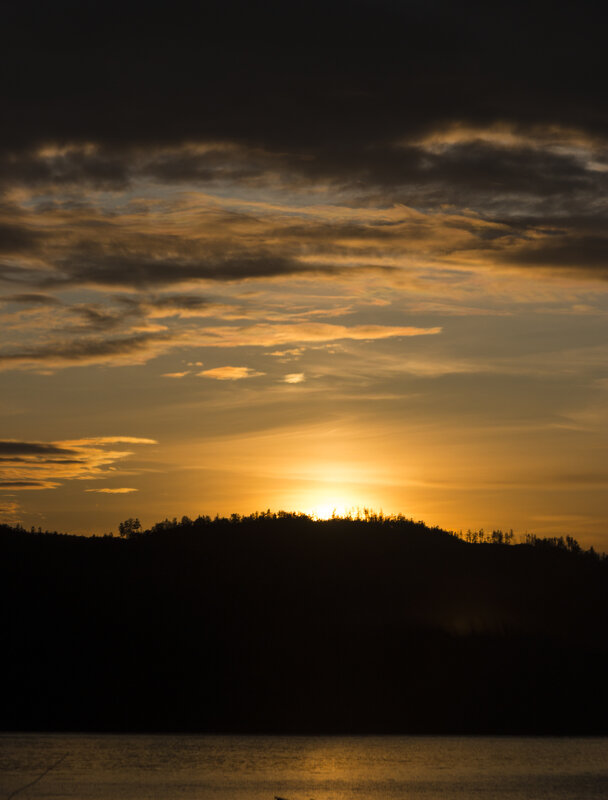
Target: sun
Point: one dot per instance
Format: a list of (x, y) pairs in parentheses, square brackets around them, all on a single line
[(326, 511), (326, 504), (333, 488)]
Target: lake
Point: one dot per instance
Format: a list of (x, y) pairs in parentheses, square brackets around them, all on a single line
[(186, 767)]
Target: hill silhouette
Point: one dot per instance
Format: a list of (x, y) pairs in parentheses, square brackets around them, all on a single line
[(280, 623)]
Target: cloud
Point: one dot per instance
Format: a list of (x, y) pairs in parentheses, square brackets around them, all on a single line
[(132, 349), (32, 299), (10, 511), (94, 440), (142, 271), (290, 351), (140, 348), (193, 238), (272, 335), (15, 239), (26, 465), (28, 485), (401, 69), (294, 377), (26, 460), (562, 252), (361, 168), (180, 303), (122, 490), (175, 374), (485, 166), (12, 447), (414, 106), (95, 317), (230, 373)]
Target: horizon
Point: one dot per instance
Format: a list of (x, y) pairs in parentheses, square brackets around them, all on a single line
[(133, 527)]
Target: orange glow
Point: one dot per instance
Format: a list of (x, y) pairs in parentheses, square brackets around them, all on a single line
[(324, 499)]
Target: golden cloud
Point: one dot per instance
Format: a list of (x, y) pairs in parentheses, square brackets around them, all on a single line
[(230, 373), (45, 465), (273, 335), (122, 490)]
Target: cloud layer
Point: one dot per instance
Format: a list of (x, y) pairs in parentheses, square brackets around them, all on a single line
[(47, 465), (410, 153), (409, 105)]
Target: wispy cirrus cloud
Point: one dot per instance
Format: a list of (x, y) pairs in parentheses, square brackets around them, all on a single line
[(318, 332), (193, 238), (31, 298), (21, 485), (12, 447), (10, 511), (139, 348), (46, 465)]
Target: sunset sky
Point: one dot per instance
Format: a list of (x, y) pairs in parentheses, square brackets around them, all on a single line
[(304, 256)]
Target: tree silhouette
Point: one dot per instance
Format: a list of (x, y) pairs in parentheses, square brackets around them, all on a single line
[(130, 527)]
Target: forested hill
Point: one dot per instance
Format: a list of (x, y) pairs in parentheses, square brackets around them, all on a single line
[(278, 623)]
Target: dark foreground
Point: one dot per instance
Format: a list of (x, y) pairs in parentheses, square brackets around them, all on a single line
[(285, 625)]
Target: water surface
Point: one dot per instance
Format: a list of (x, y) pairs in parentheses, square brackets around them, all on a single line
[(183, 767)]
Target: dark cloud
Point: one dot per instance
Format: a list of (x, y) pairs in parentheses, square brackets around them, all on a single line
[(142, 271), (187, 165), (16, 238), (95, 317), (24, 485), (282, 95), (9, 447), (73, 165), (28, 461), (187, 302), (569, 253), (485, 171), (298, 76), (82, 350), (476, 174), (32, 299)]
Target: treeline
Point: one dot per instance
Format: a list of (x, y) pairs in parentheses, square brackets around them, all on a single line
[(276, 622), (132, 527)]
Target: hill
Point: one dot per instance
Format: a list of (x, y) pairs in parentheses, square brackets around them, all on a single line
[(279, 623)]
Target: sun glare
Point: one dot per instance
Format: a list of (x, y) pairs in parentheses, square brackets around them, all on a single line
[(337, 501), (326, 511), (334, 489)]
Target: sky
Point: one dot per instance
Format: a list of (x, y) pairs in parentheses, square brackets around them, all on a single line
[(304, 256)]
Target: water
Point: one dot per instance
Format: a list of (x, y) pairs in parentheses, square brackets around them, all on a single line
[(185, 767)]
